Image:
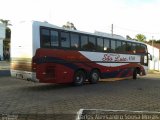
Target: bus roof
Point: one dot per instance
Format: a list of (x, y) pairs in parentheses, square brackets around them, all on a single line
[(96, 33)]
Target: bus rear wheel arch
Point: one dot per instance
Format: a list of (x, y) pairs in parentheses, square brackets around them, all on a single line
[(79, 77), (135, 72), (94, 76)]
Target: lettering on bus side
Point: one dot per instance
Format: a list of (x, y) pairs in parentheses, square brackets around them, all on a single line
[(118, 58), (132, 58), (107, 58)]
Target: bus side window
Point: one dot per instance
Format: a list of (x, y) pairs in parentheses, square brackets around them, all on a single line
[(119, 46), (45, 38), (129, 47), (65, 41), (124, 47), (143, 48), (106, 45), (92, 43), (133, 48), (113, 45), (84, 42), (54, 38), (74, 41), (100, 44), (138, 48)]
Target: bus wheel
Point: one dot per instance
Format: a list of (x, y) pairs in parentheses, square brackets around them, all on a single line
[(79, 78), (94, 77), (135, 73)]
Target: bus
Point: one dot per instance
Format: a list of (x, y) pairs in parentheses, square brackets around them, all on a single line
[(46, 53)]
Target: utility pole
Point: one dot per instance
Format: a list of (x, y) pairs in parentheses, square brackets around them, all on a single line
[(112, 30), (153, 54), (152, 41)]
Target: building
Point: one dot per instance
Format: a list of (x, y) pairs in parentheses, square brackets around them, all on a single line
[(2, 37), (154, 64)]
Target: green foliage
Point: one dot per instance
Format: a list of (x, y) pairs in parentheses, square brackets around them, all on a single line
[(8, 33), (158, 41), (154, 41), (7, 23), (128, 37), (69, 25), (140, 37)]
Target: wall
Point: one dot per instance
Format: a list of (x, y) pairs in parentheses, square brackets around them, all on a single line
[(154, 64)]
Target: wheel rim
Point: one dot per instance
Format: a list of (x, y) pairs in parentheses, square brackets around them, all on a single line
[(95, 76), (79, 78)]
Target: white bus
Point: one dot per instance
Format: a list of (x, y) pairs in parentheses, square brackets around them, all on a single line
[(50, 54)]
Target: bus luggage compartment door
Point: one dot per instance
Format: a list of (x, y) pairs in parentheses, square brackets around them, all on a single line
[(45, 73)]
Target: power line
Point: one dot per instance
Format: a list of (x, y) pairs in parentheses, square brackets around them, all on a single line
[(133, 30)]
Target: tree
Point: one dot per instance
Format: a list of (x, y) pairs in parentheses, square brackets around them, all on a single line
[(69, 25), (128, 37), (158, 41), (7, 23), (8, 33), (6, 41), (155, 41), (140, 37)]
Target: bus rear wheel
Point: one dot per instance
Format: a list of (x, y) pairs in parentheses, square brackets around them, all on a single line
[(94, 77), (135, 73), (79, 78)]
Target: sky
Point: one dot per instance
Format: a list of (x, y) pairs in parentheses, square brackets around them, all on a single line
[(129, 17)]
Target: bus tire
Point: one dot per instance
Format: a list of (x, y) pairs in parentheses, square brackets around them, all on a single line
[(135, 73), (94, 76), (79, 78)]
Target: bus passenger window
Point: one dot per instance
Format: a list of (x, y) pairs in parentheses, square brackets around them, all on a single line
[(84, 42), (54, 38), (119, 46), (129, 47), (74, 41), (143, 48), (45, 38), (100, 44), (92, 43), (138, 48), (113, 45), (65, 42), (133, 48), (106, 45), (124, 47)]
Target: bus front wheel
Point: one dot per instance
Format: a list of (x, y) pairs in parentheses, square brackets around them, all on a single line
[(79, 78), (94, 77)]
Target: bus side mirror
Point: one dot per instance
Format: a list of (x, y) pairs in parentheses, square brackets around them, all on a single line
[(149, 56)]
